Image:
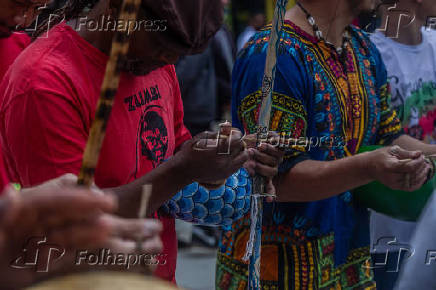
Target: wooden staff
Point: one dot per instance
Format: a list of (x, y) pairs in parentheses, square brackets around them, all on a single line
[(254, 245), (119, 50), (111, 80)]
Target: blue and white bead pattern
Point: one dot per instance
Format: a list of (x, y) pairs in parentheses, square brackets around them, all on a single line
[(222, 206)]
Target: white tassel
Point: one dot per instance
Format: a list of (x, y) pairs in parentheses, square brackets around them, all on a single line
[(253, 223)]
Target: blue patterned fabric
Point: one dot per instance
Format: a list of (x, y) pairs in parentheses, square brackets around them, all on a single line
[(222, 206), (340, 104), (309, 101)]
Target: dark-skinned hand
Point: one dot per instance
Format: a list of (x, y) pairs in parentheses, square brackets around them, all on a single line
[(397, 168)]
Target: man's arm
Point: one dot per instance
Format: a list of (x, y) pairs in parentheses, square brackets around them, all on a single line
[(312, 180), (198, 160), (203, 166), (55, 129), (71, 218), (167, 179), (315, 180), (409, 143)]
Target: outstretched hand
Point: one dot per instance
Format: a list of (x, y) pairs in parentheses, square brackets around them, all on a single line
[(398, 168), (70, 218)]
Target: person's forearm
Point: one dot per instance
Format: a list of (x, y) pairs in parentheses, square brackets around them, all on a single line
[(316, 180), (409, 143), (229, 203), (167, 180), (3, 209)]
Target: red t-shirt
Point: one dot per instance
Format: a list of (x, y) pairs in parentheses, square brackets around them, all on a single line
[(10, 48), (49, 100), (3, 178)]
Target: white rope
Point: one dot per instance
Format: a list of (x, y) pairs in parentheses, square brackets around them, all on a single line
[(253, 221)]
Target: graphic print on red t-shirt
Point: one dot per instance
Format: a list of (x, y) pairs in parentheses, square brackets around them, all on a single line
[(56, 84), (152, 135)]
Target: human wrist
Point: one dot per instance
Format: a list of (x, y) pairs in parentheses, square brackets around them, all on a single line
[(187, 173), (366, 165), (431, 163), (179, 168)]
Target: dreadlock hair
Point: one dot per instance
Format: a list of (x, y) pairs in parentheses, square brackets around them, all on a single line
[(71, 10)]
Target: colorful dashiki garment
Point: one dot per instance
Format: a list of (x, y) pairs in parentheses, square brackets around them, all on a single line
[(323, 244)]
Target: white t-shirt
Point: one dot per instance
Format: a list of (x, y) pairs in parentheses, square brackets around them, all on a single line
[(412, 74), (245, 37)]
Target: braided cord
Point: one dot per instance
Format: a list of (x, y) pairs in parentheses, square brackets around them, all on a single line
[(253, 250)]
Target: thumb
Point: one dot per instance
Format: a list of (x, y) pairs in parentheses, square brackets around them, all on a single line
[(205, 140), (67, 180), (401, 153)]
